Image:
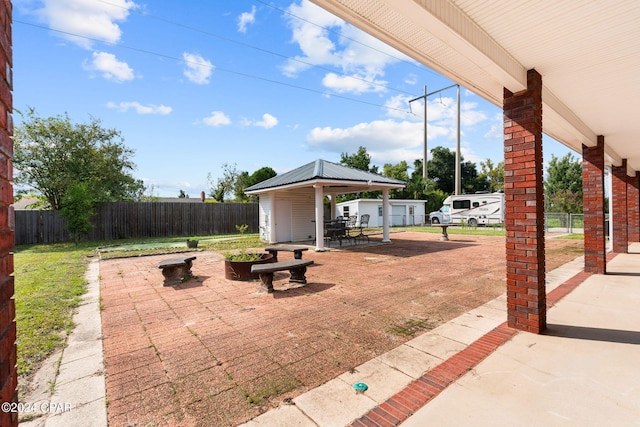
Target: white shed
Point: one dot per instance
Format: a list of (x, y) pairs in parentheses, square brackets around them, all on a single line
[(403, 212), (292, 204)]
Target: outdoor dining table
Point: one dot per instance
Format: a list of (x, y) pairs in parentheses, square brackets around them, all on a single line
[(336, 229)]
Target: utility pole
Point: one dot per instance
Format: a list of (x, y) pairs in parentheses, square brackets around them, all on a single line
[(458, 178), (424, 148)]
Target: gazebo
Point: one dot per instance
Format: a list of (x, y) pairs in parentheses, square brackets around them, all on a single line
[(292, 204)]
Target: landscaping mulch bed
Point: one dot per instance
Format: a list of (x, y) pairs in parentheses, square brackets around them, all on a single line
[(215, 352)]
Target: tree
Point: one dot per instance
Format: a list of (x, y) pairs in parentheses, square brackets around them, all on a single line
[(78, 207), (359, 160), (397, 171), (245, 180), (225, 184), (563, 186), (441, 168), (493, 175), (182, 195), (53, 155)]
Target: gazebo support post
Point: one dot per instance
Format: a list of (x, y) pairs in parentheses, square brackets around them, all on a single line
[(272, 220), (385, 216), (332, 212), (319, 217)]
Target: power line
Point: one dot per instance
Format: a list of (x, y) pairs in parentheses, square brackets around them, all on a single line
[(213, 67), (270, 52), (345, 37)]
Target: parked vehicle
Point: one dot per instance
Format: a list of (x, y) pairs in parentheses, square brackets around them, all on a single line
[(473, 209)]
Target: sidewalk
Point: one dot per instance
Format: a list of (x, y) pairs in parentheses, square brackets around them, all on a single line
[(78, 398), (582, 371)]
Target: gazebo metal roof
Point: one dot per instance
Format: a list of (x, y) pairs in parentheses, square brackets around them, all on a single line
[(334, 178)]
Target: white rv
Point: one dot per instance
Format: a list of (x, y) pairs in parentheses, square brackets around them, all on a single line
[(473, 209)]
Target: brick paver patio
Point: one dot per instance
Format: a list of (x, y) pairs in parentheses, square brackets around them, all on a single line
[(214, 352)]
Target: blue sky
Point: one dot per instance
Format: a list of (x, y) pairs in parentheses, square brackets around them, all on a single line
[(193, 85)]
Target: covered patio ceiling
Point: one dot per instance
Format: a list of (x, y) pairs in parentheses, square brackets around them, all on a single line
[(588, 53)]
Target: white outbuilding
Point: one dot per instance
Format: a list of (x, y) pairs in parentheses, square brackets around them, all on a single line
[(403, 212), (292, 204)]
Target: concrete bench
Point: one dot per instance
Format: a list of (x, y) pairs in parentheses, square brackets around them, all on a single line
[(297, 268), (297, 250), (176, 270)]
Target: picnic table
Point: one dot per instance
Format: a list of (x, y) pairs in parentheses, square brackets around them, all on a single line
[(336, 229)]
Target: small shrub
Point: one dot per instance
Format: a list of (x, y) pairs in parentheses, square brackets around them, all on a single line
[(243, 256), (242, 228)]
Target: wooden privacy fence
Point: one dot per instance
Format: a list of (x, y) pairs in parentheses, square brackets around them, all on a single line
[(138, 220)]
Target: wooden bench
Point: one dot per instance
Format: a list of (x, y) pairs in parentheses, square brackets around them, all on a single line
[(176, 270), (297, 251), (297, 268)]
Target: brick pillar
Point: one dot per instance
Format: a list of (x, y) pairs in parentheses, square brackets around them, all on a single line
[(593, 208), (8, 375), (524, 200), (633, 207), (619, 216)]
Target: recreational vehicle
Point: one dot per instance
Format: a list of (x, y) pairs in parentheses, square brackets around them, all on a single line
[(472, 209)]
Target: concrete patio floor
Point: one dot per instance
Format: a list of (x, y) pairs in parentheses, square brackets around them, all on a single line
[(214, 352), (583, 371), (474, 370)]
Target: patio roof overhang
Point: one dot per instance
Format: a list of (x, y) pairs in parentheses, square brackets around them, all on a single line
[(588, 54)]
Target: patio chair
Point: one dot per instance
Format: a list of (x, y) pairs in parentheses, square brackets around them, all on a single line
[(350, 225), (364, 223)]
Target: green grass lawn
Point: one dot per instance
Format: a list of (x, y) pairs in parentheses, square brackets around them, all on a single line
[(48, 285), (456, 229)]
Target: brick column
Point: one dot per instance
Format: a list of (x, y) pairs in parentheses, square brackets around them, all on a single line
[(619, 216), (8, 375), (633, 207), (593, 208), (524, 200)]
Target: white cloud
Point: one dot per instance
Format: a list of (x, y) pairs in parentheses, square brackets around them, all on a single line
[(411, 79), (86, 18), (398, 107), (496, 132), (216, 119), (268, 121), (386, 140), (198, 68), (360, 58), (245, 19), (353, 83), (401, 137), (139, 108), (110, 67)]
